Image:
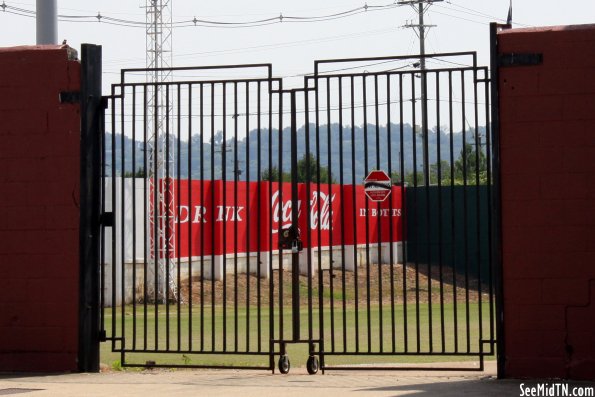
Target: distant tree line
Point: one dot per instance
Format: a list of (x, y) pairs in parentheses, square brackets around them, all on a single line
[(465, 170)]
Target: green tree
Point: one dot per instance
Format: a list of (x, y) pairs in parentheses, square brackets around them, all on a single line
[(304, 165), (139, 173), (467, 168), (272, 174), (445, 174), (310, 163), (409, 179)]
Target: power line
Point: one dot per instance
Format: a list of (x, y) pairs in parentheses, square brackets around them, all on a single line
[(196, 22), (187, 15), (270, 46), (346, 107), (281, 18), (470, 11), (473, 12), (438, 60)]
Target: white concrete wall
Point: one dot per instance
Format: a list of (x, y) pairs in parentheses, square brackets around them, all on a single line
[(123, 229)]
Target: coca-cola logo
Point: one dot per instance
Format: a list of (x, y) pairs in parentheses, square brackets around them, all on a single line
[(320, 211), (321, 203), (282, 211)]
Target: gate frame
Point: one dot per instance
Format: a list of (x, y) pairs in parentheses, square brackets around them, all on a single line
[(496, 197), (92, 118), (91, 108), (492, 111)]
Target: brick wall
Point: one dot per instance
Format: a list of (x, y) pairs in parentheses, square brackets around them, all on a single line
[(548, 203), (39, 214)]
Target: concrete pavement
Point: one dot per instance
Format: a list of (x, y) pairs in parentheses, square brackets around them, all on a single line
[(261, 383)]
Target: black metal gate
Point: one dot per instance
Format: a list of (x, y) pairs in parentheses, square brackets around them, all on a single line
[(345, 223)]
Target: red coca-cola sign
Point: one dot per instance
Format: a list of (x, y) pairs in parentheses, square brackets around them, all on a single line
[(216, 217)]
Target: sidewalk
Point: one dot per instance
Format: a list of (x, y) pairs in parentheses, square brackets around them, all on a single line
[(262, 383)]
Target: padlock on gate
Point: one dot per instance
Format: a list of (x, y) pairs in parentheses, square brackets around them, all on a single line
[(290, 239)]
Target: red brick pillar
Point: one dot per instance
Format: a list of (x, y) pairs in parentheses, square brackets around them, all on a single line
[(39, 210), (548, 202)]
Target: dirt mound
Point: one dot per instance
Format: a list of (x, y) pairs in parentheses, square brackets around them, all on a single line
[(376, 283)]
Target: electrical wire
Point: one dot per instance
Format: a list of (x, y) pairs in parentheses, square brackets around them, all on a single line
[(268, 46), (281, 18), (438, 60), (472, 12), (458, 17), (196, 22), (345, 107)]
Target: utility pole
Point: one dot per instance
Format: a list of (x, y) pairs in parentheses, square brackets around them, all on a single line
[(47, 22), (421, 6), (223, 149)]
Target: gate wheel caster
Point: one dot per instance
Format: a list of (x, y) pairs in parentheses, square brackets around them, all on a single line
[(284, 364), (312, 365)]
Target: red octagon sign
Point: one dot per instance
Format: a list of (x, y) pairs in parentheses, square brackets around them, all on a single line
[(377, 185)]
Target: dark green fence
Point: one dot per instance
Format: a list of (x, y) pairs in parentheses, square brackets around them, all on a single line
[(449, 225)]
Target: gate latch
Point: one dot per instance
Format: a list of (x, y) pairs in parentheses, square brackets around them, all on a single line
[(290, 239)]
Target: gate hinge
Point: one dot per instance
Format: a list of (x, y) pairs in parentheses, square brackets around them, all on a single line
[(520, 59), (102, 336), (107, 219), (70, 97)]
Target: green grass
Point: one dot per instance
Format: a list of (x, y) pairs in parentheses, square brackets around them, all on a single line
[(186, 333)]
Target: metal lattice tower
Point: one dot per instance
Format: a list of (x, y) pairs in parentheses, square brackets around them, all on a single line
[(161, 149)]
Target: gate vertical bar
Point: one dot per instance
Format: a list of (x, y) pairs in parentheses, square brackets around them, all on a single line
[(342, 212), (452, 213), (146, 227), (121, 215), (92, 119), (134, 286), (496, 203), (366, 171), (330, 194), (478, 212), (308, 204), (295, 258), (405, 215), (247, 179), (224, 202), (201, 241), (235, 118), (259, 242), (269, 109), (378, 224), (391, 253), (212, 116), (355, 241), (465, 212), (440, 211)]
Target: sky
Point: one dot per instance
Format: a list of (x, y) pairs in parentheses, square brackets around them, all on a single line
[(461, 25)]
